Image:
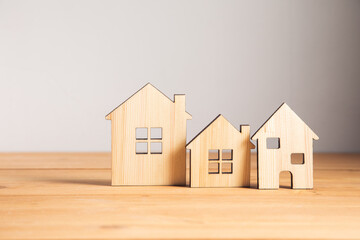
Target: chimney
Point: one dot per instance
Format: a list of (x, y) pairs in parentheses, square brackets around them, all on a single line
[(179, 100), (245, 129)]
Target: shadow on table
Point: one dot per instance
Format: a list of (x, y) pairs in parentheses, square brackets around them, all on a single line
[(107, 182), (96, 182)]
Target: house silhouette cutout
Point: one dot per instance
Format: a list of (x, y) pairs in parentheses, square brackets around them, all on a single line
[(293, 137), (148, 138), (220, 156)]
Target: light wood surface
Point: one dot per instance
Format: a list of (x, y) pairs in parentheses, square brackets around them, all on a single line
[(294, 137), (146, 109), (49, 200), (220, 155)]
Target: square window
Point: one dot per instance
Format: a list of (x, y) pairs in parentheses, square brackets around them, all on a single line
[(227, 154), (213, 154), (156, 133), (141, 133), (273, 143), (297, 158), (226, 168), (141, 148), (213, 168), (156, 147)]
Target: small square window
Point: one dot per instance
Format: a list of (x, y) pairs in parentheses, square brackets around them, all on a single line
[(213, 168), (226, 167), (156, 133), (141, 133), (141, 148), (273, 143), (297, 158), (213, 154), (156, 147), (227, 154)]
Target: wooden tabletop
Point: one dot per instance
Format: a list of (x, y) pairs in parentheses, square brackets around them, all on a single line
[(68, 196)]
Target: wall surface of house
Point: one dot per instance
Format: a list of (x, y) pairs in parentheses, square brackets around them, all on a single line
[(65, 64)]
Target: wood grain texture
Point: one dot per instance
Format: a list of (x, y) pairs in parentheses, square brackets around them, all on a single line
[(295, 137), (149, 108), (35, 160), (62, 203), (210, 166)]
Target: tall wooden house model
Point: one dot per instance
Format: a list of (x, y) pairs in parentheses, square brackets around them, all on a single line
[(282, 141), (148, 138)]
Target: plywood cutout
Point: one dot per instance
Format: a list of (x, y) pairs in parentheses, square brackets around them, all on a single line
[(219, 156), (148, 138), (285, 143)]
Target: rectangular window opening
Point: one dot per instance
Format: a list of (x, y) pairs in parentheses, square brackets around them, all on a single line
[(156, 148), (297, 158), (227, 167), (213, 168), (141, 133), (156, 133), (213, 154), (273, 143), (227, 154), (141, 148)]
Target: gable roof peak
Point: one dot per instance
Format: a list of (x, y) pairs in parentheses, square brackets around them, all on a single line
[(143, 87), (217, 118), (281, 108), (147, 85)]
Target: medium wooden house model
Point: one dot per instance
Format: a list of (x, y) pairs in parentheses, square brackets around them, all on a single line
[(220, 156), (148, 138), (285, 143)]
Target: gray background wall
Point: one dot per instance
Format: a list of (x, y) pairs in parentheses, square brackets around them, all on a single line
[(65, 64)]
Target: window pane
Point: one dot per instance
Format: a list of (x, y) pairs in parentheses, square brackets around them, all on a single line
[(273, 143), (213, 167), (226, 167), (227, 154), (156, 147), (156, 133), (141, 148), (213, 154), (297, 158), (141, 133)]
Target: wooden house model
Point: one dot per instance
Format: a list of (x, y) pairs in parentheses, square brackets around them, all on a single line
[(285, 143), (148, 139), (219, 156)]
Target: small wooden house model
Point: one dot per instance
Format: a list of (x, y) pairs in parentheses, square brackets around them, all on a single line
[(148, 138), (220, 156), (285, 143)]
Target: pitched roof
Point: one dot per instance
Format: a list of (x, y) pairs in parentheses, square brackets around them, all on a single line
[(217, 118), (204, 129), (146, 85), (283, 107)]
